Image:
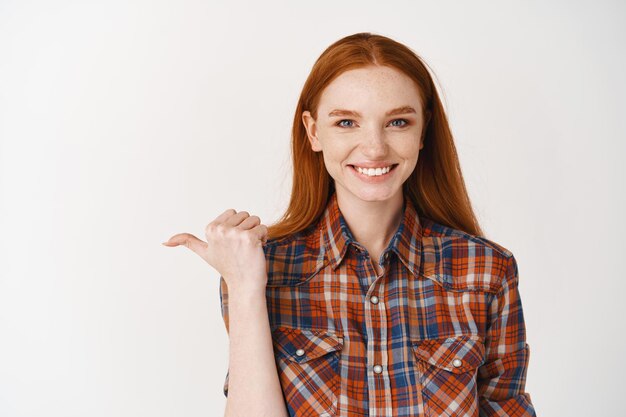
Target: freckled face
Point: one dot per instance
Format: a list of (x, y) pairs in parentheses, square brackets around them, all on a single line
[(370, 115)]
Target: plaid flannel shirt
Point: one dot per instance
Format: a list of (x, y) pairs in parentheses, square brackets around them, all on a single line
[(440, 332)]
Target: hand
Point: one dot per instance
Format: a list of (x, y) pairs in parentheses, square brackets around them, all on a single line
[(234, 247)]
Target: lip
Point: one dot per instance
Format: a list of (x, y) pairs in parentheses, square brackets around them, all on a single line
[(375, 179), (373, 164)]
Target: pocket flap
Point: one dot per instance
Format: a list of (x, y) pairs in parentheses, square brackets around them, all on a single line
[(456, 354), (301, 345)]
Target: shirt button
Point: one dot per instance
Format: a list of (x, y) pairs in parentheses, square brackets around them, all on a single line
[(457, 363), (300, 352), (378, 369), (374, 299)]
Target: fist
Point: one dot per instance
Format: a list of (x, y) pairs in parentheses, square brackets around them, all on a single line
[(234, 247)]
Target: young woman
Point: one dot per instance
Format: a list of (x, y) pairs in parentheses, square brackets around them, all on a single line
[(376, 293)]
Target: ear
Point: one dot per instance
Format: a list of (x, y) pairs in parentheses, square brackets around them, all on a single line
[(311, 131)]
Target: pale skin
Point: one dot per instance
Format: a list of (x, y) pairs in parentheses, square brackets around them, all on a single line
[(372, 211), (234, 240), (234, 247)]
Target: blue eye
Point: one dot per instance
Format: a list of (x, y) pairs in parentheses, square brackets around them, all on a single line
[(340, 122), (343, 120), (400, 120)]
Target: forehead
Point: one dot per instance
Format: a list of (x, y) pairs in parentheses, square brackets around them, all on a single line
[(371, 89)]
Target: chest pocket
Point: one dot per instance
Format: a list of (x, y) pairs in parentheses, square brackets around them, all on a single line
[(447, 370), (308, 369)]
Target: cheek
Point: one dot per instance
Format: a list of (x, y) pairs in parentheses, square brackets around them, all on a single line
[(410, 149), (336, 152), (332, 162)]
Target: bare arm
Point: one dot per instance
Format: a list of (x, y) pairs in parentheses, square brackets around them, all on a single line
[(234, 247), (253, 385)]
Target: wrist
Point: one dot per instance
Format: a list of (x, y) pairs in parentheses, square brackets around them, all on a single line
[(246, 292)]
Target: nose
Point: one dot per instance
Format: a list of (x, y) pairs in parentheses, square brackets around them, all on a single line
[(374, 144)]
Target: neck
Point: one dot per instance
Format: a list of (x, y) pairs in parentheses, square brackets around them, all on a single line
[(372, 223)]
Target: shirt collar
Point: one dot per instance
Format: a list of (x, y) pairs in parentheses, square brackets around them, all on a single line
[(406, 242)]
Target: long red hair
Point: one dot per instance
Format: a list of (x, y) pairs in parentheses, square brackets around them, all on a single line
[(436, 186)]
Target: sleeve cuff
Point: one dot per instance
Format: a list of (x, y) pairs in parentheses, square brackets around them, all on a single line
[(517, 406)]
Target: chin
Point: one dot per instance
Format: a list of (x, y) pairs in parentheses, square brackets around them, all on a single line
[(375, 194)]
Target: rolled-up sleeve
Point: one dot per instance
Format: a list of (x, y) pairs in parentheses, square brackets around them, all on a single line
[(502, 377)]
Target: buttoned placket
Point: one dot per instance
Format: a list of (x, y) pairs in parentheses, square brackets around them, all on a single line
[(375, 313)]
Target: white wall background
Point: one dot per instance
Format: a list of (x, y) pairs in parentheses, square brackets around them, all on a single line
[(125, 122)]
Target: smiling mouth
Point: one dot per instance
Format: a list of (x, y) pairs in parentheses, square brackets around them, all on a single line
[(375, 171)]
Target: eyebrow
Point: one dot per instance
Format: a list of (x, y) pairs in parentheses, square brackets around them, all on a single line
[(398, 110)]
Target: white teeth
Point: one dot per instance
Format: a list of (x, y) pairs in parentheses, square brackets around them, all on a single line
[(373, 171)]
